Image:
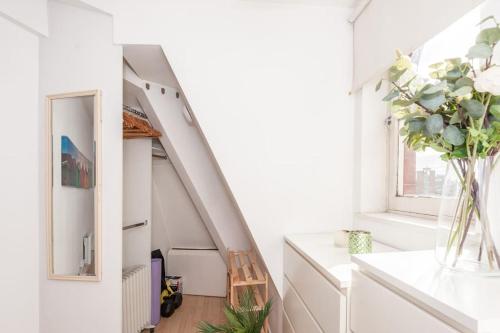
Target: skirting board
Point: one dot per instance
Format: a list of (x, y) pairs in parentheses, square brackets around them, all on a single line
[(203, 271)]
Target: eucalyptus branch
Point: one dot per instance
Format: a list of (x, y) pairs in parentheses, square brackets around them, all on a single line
[(452, 118), (457, 172), (490, 59), (473, 69), (410, 98)]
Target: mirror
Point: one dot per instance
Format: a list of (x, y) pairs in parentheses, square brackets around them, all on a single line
[(73, 203)]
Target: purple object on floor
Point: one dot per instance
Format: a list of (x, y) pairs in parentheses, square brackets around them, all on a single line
[(155, 291)]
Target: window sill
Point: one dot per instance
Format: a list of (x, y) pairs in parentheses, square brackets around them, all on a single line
[(423, 221), (404, 232)]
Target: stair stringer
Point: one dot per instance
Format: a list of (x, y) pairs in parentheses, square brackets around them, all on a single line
[(189, 155)]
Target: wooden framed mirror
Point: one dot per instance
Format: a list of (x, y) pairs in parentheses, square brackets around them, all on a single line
[(74, 186)]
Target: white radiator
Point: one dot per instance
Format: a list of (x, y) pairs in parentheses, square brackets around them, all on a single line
[(136, 285)]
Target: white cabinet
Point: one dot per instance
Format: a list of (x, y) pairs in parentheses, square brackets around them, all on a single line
[(376, 309), (386, 291), (299, 315), (316, 284), (326, 304), (410, 292)]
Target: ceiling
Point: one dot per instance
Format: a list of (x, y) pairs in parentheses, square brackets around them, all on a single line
[(340, 3)]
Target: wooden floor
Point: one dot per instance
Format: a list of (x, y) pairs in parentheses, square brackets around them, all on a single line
[(193, 310)]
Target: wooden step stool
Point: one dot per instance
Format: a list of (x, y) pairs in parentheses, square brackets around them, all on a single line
[(244, 272)]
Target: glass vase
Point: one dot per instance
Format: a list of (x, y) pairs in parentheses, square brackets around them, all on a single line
[(468, 234)]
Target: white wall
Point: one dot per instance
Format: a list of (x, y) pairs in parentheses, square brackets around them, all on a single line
[(73, 208), (31, 14), (372, 149), (19, 238), (80, 55), (268, 83), (137, 201), (177, 223), (203, 271), (159, 232)]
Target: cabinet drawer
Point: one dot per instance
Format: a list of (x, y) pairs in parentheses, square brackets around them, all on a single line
[(298, 314), (324, 301), (376, 309)]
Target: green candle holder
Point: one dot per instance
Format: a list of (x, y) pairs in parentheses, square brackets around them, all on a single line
[(360, 242)]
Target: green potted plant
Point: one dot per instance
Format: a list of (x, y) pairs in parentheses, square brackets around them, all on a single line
[(246, 318), (457, 113)]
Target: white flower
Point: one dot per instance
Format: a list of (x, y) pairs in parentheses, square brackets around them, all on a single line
[(403, 62), (489, 81)]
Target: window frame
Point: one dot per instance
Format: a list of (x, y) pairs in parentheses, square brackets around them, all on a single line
[(428, 206), (404, 204)]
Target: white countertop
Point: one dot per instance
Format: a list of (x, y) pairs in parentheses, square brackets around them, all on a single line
[(471, 301), (331, 261)]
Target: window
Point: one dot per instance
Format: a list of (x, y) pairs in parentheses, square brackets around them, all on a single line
[(421, 175), (416, 178)]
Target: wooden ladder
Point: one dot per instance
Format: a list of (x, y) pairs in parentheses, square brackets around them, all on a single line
[(244, 272)]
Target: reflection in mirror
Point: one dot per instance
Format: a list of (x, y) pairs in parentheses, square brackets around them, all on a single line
[(73, 220)]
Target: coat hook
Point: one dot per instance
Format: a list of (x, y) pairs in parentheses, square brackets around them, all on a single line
[(147, 86), (163, 91)]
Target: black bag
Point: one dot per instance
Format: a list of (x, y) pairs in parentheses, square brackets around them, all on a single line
[(177, 299), (167, 308), (156, 254)]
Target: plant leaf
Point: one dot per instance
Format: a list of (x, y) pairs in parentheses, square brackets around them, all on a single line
[(481, 51), (416, 125), (474, 108), (495, 100), (407, 84), (390, 96), (455, 118), (246, 318), (462, 91), (454, 61), (463, 82), (395, 74), (434, 124), (420, 92), (495, 111), (459, 153), (453, 74), (432, 102), (491, 17), (489, 36), (232, 317), (437, 147), (453, 136), (205, 327), (436, 65), (436, 88), (379, 84), (403, 103)]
